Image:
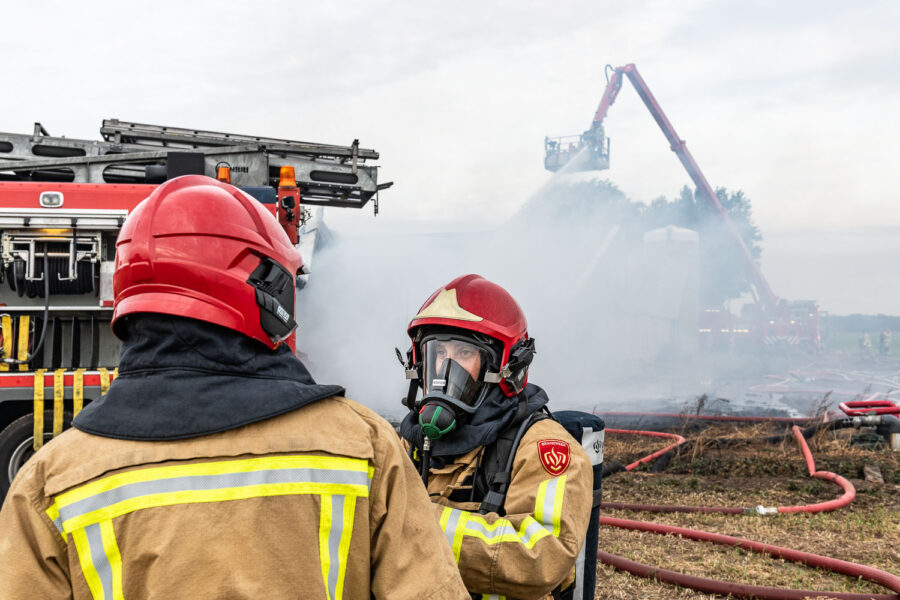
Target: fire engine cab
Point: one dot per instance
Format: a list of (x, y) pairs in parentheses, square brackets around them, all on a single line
[(62, 204)]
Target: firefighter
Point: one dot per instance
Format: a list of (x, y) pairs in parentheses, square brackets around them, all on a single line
[(215, 467), (865, 345), (884, 343), (515, 533)]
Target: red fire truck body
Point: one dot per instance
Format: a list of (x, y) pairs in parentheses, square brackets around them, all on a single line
[(59, 219)]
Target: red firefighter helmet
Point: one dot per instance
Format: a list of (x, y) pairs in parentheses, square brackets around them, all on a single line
[(203, 249), (482, 313)]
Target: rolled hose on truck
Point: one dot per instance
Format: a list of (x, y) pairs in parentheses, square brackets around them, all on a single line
[(878, 576)]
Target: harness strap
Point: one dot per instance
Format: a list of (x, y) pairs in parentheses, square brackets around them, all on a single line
[(499, 458)]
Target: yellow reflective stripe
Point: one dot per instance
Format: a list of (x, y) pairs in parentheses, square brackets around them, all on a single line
[(87, 565), (445, 515), (6, 326), (453, 523), (219, 481), (38, 409), (324, 532), (77, 392), (557, 505), (335, 530), (221, 467), (100, 560), (548, 503), (200, 496), (492, 597), (113, 557), (53, 515), (344, 548), (59, 394), (540, 501), (502, 530), (24, 322), (104, 380)]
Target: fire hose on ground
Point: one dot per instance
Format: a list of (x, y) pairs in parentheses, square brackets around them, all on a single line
[(878, 576), (739, 590)]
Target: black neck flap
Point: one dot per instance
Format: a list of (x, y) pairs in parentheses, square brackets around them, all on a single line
[(182, 378)]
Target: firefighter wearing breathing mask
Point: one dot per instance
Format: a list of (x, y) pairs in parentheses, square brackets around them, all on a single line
[(512, 490)]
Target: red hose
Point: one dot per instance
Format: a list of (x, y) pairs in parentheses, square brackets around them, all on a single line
[(883, 578), (679, 440), (849, 490), (844, 500), (663, 508), (733, 590)]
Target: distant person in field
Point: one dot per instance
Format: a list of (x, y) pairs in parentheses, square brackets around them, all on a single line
[(884, 343)]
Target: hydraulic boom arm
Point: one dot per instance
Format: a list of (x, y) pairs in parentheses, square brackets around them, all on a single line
[(678, 146)]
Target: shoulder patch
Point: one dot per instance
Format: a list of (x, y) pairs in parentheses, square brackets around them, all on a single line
[(554, 455)]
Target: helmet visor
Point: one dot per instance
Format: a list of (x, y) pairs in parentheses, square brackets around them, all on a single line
[(454, 367)]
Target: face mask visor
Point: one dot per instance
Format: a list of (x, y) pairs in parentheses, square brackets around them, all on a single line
[(454, 370)]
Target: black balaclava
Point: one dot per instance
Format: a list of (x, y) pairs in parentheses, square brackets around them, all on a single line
[(183, 378)]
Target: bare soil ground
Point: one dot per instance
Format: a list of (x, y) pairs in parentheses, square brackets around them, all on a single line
[(866, 532)]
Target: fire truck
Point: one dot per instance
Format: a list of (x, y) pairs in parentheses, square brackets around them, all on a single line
[(62, 204), (770, 323)]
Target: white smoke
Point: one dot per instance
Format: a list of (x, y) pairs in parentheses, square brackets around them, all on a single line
[(578, 268)]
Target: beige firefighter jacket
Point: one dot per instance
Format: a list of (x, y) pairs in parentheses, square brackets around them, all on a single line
[(533, 547), (317, 503)]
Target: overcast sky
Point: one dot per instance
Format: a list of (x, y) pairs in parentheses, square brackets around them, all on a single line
[(793, 102)]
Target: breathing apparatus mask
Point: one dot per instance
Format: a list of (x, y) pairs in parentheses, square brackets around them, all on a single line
[(452, 371)]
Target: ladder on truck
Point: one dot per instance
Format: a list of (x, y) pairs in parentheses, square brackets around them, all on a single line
[(327, 175)]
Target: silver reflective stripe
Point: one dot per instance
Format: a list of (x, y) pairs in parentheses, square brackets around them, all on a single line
[(100, 560), (58, 522), (334, 543), (549, 502), (532, 530), (452, 524), (209, 482)]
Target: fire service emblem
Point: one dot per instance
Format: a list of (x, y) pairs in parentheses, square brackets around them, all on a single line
[(554, 456)]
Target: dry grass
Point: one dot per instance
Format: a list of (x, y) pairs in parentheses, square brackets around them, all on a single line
[(747, 475)]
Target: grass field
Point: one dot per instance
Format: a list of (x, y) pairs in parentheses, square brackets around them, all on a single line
[(866, 532)]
